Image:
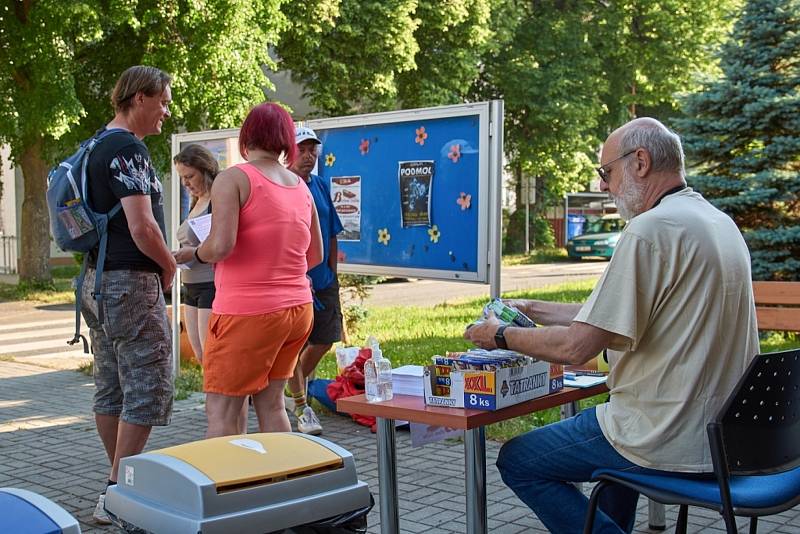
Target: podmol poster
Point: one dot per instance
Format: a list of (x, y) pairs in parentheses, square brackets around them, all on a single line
[(346, 196), (416, 178)]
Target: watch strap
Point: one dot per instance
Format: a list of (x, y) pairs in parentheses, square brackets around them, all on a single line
[(500, 337)]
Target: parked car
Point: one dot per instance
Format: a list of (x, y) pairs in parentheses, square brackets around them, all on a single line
[(599, 238)]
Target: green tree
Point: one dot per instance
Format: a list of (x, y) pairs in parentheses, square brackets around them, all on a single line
[(543, 66), (653, 50), (59, 61), (742, 132), (452, 37), (348, 54)]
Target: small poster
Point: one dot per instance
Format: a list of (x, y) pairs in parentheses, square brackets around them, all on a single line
[(422, 434), (416, 178), (346, 196)]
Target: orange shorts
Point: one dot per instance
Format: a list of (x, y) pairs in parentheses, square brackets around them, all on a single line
[(243, 352)]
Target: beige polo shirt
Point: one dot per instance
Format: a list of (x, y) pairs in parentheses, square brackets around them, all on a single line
[(678, 294)]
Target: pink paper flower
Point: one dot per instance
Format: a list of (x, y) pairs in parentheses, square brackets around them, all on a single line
[(464, 201), (455, 153), (421, 135), (364, 147)]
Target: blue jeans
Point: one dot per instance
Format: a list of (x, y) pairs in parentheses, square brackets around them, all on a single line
[(539, 467)]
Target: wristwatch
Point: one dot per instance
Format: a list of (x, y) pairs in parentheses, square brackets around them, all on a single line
[(500, 338)]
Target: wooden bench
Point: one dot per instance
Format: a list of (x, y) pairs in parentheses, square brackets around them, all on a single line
[(777, 305)]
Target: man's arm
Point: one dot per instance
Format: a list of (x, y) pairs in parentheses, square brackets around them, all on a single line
[(333, 255), (575, 344), (546, 313), (147, 235), (314, 254)]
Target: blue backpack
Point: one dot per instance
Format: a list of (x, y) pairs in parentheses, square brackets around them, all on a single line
[(74, 225)]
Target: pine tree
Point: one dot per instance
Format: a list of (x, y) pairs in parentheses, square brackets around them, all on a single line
[(742, 135)]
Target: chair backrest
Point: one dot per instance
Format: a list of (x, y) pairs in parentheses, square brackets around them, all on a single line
[(759, 424)]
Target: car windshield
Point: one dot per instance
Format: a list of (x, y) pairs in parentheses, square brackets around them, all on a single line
[(602, 226)]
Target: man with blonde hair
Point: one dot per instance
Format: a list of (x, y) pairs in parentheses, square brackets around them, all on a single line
[(675, 309), (130, 335)]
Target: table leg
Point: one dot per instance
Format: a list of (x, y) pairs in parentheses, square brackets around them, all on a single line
[(475, 479), (387, 477), (656, 517), (569, 410)]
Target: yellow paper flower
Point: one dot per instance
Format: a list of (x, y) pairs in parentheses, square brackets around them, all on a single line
[(383, 236), (434, 233), (329, 159)]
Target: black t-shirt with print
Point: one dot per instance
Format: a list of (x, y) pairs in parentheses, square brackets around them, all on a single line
[(120, 166)]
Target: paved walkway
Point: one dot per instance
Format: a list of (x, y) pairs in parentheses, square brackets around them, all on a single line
[(48, 444)]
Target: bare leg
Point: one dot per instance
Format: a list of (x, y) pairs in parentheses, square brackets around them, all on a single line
[(242, 422), (306, 363), (270, 408), (130, 440), (107, 428), (223, 414), (193, 328), (203, 314)]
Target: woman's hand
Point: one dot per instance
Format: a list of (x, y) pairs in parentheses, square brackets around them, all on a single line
[(184, 255)]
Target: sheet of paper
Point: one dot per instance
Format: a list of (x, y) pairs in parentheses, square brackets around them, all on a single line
[(201, 226), (582, 381)]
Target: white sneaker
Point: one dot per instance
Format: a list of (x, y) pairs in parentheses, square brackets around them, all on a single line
[(100, 515), (288, 403), (307, 422)]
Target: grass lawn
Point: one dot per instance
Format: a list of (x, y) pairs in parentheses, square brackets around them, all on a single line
[(59, 291)]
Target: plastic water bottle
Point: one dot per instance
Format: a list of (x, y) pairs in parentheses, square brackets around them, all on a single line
[(378, 377)]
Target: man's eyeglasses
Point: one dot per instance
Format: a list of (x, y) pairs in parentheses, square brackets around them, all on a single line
[(602, 169)]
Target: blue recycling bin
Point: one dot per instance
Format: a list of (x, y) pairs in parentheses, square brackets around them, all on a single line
[(26, 512), (575, 225)]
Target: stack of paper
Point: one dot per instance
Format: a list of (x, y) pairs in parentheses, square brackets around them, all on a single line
[(576, 380), (407, 380)]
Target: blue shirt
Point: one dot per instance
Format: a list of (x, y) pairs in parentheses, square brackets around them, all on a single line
[(322, 276)]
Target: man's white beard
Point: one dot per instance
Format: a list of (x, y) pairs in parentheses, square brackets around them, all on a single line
[(630, 199)]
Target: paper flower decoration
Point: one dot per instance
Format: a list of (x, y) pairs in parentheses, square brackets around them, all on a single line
[(434, 233), (341, 257), (421, 135), (364, 147), (464, 201), (383, 236), (455, 153), (330, 159)]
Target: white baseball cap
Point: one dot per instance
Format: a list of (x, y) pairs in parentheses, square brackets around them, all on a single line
[(303, 133)]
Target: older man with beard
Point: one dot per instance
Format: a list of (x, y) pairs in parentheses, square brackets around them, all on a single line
[(675, 309)]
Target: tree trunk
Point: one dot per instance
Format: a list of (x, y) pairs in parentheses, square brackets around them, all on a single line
[(34, 256), (518, 189)]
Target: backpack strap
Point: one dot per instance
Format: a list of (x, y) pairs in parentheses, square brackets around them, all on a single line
[(101, 259), (78, 299)]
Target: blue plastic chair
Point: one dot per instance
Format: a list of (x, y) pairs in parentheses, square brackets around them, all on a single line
[(755, 449)]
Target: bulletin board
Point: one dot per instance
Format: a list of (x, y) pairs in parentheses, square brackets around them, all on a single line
[(418, 191)]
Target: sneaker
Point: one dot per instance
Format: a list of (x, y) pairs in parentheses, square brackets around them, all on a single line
[(100, 515), (307, 422), (288, 403)]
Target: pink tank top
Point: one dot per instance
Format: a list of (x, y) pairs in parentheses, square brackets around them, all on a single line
[(266, 271)]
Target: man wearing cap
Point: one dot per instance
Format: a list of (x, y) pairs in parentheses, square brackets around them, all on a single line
[(327, 308)]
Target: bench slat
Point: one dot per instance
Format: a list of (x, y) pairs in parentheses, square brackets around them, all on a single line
[(784, 293), (778, 318)]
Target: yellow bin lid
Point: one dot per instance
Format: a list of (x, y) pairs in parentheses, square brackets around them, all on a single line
[(236, 461)]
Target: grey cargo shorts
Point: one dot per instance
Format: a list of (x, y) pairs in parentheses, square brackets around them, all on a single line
[(132, 349)]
